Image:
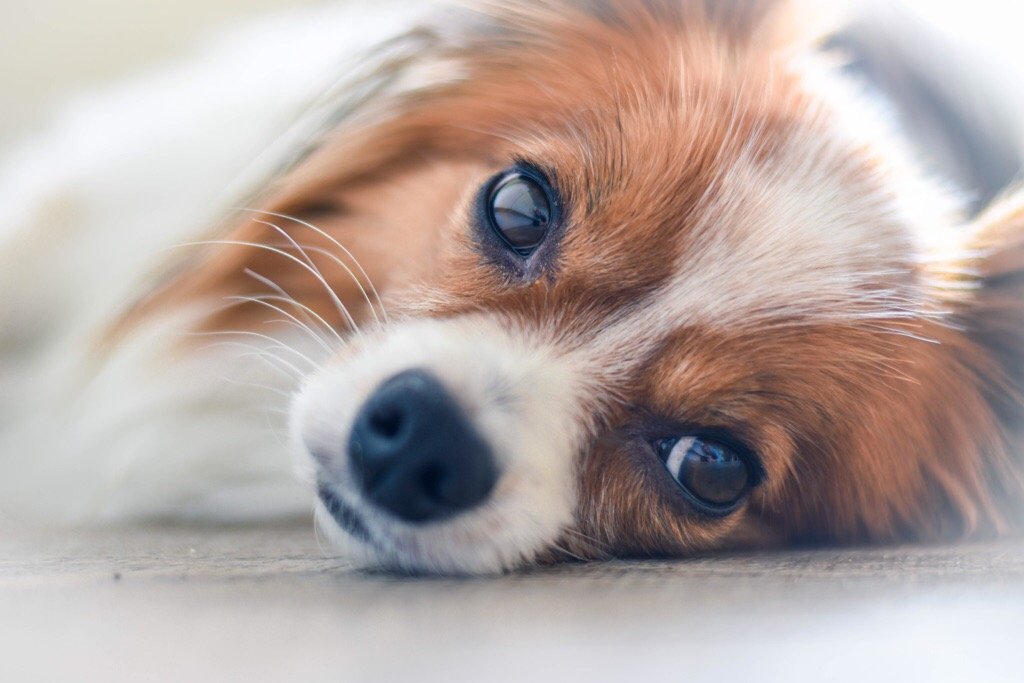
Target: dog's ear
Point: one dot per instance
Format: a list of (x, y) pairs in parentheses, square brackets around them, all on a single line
[(985, 294), (339, 220), (988, 300)]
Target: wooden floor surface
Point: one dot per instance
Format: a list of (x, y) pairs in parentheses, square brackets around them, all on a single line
[(267, 604)]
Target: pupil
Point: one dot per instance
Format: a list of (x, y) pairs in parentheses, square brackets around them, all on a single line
[(520, 211), (713, 473)]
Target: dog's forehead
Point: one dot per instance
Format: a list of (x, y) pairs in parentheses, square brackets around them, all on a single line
[(726, 191), (746, 211)]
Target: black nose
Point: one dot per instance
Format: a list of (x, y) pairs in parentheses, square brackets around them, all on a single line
[(415, 453)]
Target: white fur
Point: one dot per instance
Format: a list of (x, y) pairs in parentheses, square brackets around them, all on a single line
[(89, 209), (524, 398), (798, 237)]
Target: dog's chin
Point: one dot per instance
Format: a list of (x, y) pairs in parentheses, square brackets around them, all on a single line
[(370, 541)]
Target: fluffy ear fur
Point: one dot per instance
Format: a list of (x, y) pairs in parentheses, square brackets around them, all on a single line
[(992, 310), (348, 187), (984, 293)]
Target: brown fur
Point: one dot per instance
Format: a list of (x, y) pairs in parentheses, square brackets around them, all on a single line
[(897, 429)]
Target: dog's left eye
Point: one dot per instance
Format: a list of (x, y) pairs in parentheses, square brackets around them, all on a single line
[(519, 208), (713, 473)]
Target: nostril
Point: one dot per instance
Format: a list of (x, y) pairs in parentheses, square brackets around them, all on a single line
[(415, 453), (387, 421), (432, 482)]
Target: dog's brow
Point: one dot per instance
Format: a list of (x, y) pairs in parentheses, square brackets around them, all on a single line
[(778, 249)]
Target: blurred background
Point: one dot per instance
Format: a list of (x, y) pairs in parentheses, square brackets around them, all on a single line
[(52, 49)]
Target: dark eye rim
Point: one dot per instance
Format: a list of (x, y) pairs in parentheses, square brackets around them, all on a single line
[(522, 263), (755, 471)]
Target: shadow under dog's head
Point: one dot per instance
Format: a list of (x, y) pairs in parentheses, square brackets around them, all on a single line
[(652, 282)]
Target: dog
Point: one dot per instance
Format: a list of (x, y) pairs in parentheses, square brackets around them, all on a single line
[(530, 282)]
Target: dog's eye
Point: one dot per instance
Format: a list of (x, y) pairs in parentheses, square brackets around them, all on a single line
[(519, 209), (712, 472)]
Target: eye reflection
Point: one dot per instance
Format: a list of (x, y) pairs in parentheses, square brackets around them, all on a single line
[(712, 472), (520, 212)]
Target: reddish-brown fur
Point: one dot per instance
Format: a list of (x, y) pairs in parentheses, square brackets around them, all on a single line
[(899, 429)]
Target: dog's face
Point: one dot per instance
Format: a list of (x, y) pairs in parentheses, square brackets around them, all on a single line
[(644, 292)]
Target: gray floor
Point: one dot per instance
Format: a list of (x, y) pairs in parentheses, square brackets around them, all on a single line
[(266, 604)]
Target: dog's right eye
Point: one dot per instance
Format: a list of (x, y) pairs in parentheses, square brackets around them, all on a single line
[(519, 209), (713, 474)]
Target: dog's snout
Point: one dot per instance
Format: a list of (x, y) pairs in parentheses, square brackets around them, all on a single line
[(415, 453)]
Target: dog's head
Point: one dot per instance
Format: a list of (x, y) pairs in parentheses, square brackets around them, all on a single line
[(650, 284)]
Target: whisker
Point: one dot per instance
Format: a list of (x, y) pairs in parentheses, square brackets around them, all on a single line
[(286, 297), (600, 546), (263, 387), (291, 375), (343, 249), (263, 355), (233, 301), (264, 301), (284, 233), (563, 549), (318, 534), (289, 323), (255, 245), (275, 342), (342, 265)]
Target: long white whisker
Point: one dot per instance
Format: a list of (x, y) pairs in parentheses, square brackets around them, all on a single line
[(233, 301), (342, 265), (298, 324), (274, 341), (318, 534), (240, 243), (267, 356), (287, 395), (264, 387), (293, 373), (290, 323), (284, 233), (563, 549), (340, 246), (288, 298)]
